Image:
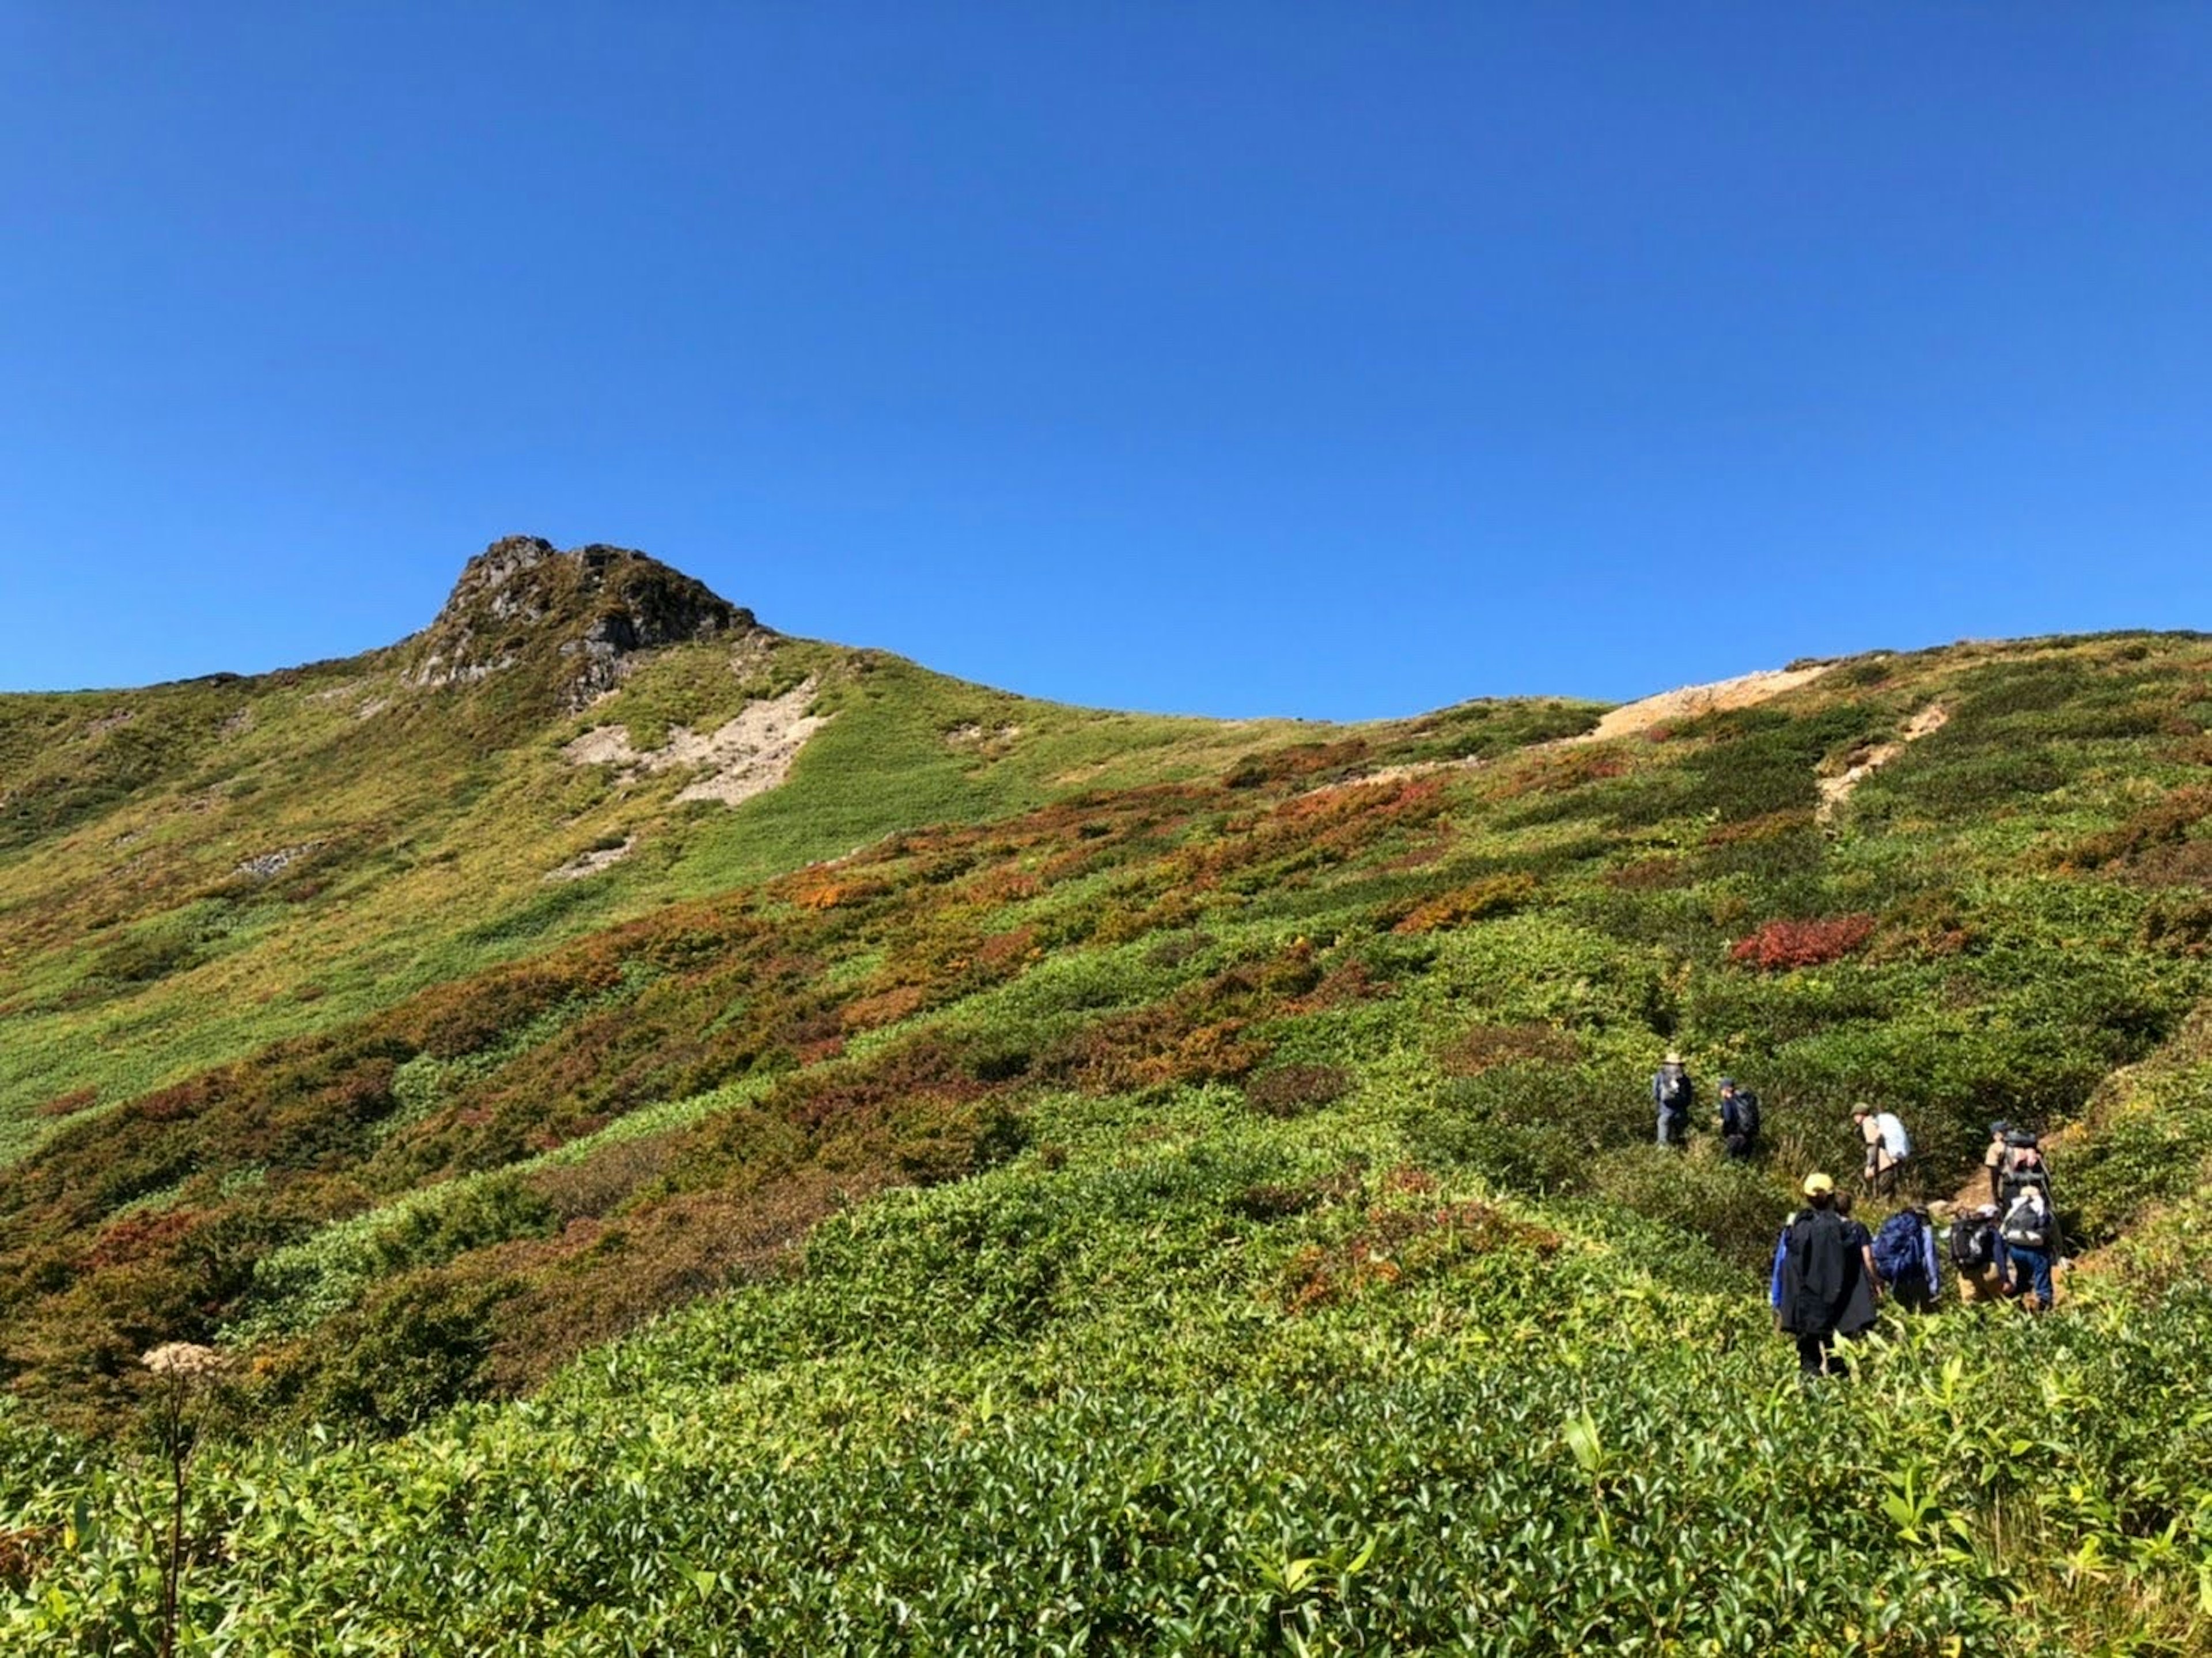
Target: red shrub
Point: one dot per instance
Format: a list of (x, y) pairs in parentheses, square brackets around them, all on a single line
[(69, 1104), (1292, 1090), (1554, 772), (136, 1236), (1780, 945), (173, 1104)]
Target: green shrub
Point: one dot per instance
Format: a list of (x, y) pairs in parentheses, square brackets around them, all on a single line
[(1736, 1208), (421, 1346), (1529, 1125)]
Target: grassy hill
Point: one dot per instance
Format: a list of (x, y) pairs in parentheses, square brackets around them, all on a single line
[(1036, 1180)]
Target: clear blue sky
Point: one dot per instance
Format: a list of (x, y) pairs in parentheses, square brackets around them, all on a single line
[(1329, 360)]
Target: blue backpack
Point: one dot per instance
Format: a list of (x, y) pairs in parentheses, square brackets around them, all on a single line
[(1900, 1254)]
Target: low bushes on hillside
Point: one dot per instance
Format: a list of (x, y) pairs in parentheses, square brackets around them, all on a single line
[(1292, 1090)]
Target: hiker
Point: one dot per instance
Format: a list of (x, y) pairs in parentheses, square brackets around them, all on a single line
[(2029, 1232), (2022, 1165), (1905, 1254), (1810, 1283), (1997, 1159), (1672, 1093), (2027, 1266), (1979, 1257), (1862, 1282), (1887, 1146), (1739, 1120)]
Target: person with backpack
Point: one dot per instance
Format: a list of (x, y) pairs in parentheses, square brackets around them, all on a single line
[(1739, 1120), (1808, 1285), (2022, 1165), (1905, 1254), (1887, 1146), (2030, 1232), (1996, 1159), (1977, 1256), (2026, 1175), (1674, 1094), (1861, 1281)]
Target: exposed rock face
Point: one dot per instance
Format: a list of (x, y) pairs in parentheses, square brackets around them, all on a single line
[(586, 610)]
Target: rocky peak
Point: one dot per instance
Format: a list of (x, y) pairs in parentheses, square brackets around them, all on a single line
[(582, 612)]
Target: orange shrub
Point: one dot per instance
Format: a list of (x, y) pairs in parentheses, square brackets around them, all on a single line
[(834, 895), (1496, 895)]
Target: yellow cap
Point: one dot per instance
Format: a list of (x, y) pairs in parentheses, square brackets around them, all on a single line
[(1817, 1184)]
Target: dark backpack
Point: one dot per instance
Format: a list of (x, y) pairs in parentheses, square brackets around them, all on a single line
[(1973, 1244), (1747, 1114), (2026, 1224), (1897, 1249), (2017, 1181)]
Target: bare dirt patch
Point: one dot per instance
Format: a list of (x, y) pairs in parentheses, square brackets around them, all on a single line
[(987, 742), (1688, 701), (1630, 720), (1834, 791), (748, 755), (591, 862), (269, 864)]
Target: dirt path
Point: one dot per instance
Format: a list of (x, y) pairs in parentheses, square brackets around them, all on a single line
[(1834, 791)]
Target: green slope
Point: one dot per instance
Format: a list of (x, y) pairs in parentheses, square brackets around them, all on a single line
[(1172, 1186), (421, 823)]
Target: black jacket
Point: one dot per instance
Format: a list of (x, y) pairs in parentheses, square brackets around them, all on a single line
[(1856, 1312), (1812, 1282)]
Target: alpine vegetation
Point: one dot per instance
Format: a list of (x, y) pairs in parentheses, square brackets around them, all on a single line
[(603, 1128)]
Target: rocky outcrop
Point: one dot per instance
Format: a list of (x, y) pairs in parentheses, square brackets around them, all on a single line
[(579, 614)]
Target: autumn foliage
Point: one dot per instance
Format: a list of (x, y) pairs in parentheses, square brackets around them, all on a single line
[(1780, 945)]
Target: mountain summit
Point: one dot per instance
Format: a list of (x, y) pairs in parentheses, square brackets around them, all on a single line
[(583, 613)]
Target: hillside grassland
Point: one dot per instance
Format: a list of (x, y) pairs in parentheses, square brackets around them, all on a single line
[(1048, 1182), (417, 832)]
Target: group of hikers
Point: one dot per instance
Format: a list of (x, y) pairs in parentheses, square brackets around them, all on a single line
[(1676, 1096), (1830, 1272)]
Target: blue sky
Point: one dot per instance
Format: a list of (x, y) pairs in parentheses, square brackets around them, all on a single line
[(1327, 360)]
